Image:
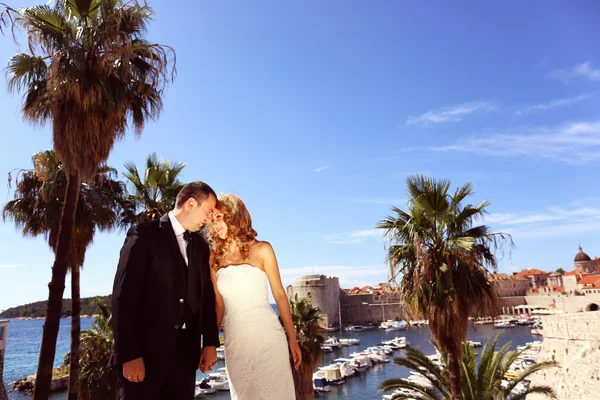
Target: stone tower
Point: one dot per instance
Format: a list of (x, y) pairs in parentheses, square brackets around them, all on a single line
[(583, 262)]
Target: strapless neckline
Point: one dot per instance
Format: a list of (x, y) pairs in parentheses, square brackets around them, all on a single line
[(241, 265)]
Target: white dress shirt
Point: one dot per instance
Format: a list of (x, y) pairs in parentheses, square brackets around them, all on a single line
[(179, 231)]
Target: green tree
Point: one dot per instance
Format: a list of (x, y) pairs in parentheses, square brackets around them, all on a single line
[(306, 320), (561, 271), (98, 380), (36, 210), (444, 258), (152, 194), (91, 74), (479, 382)]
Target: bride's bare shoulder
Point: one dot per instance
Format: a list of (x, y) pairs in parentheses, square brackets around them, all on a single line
[(262, 248)]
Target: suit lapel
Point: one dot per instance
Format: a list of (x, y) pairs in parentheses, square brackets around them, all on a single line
[(169, 233)]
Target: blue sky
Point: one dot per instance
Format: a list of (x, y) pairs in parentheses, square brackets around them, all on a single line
[(316, 112)]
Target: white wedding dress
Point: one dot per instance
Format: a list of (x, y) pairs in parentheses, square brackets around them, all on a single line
[(256, 348)]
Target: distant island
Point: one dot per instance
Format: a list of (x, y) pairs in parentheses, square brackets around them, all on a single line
[(38, 309)]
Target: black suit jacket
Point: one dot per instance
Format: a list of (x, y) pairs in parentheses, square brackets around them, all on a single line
[(149, 296)]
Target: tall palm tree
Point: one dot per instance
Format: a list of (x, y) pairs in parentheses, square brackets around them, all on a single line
[(445, 259), (36, 209), (152, 194), (306, 320), (91, 74), (479, 382), (98, 380)]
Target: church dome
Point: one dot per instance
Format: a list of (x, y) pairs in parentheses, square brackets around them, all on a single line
[(581, 256)]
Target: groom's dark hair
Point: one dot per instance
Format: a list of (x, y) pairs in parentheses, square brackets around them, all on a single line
[(198, 190)]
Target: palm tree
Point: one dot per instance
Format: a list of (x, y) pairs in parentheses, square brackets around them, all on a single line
[(91, 74), (444, 259), (479, 382), (36, 209), (152, 194), (306, 320), (98, 381)]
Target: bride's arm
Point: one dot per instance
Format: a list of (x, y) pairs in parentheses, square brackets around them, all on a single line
[(219, 304), (272, 270)]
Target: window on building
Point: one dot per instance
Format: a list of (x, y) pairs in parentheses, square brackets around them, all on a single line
[(309, 295), (1, 333)]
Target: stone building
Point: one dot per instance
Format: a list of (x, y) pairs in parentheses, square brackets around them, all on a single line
[(370, 305), (510, 285), (367, 305), (3, 335), (323, 292), (584, 263), (536, 277)]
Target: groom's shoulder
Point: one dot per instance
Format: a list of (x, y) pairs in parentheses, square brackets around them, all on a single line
[(143, 228)]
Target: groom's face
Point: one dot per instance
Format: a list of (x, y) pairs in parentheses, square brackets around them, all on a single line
[(202, 213)]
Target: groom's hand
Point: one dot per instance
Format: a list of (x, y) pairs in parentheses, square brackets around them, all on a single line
[(134, 370), (208, 358)]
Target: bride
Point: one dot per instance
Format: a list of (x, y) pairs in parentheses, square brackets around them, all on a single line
[(256, 353)]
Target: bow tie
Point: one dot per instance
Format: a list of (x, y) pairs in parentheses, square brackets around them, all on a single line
[(187, 236)]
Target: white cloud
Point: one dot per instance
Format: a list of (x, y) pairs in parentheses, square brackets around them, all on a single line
[(565, 101), (322, 168), (552, 222), (582, 71), (572, 143), (352, 237), (552, 214), (450, 114)]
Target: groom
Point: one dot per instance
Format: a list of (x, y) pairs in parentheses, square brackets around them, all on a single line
[(163, 302)]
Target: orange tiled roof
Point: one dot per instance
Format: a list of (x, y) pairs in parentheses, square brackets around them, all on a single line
[(559, 289), (529, 272), (576, 272), (502, 277), (593, 280)]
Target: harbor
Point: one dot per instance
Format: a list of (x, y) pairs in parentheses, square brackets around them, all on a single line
[(365, 384), (24, 340)]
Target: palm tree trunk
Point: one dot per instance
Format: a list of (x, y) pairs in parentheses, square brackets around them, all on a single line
[(75, 334), (56, 290), (454, 371), (303, 382)]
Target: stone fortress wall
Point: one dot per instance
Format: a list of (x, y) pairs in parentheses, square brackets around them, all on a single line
[(573, 340)]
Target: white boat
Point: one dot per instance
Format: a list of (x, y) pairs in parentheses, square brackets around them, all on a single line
[(401, 391), (333, 342), (203, 388), (333, 374), (326, 349), (361, 363), (401, 341), (350, 342), (504, 324), (388, 350), (391, 325), (420, 379), (355, 328), (473, 344), (391, 344), (219, 380), (220, 353), (320, 384), (377, 354), (346, 365)]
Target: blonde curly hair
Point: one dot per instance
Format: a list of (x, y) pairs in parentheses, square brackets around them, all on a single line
[(239, 226)]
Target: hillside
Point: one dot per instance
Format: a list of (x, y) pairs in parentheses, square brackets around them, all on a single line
[(38, 309)]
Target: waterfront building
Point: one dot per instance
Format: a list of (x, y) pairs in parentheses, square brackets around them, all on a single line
[(323, 292), (366, 305)]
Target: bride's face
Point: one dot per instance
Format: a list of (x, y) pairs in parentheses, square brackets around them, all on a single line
[(219, 225)]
